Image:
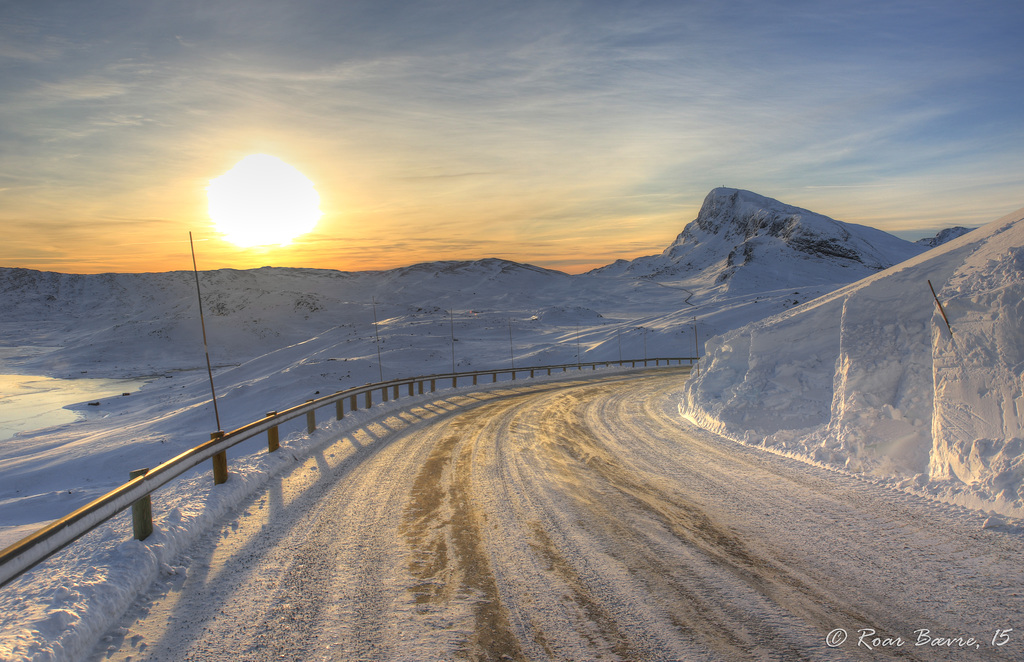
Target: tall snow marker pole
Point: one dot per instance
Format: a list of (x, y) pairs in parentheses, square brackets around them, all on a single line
[(380, 366), (696, 345), (202, 323), (578, 356), (511, 349), (451, 320), (941, 309)]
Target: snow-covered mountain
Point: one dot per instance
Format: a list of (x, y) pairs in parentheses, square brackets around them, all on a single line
[(279, 336), (743, 242), (943, 236), (744, 257), (870, 379)]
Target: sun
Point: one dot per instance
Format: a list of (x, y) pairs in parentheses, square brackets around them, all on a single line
[(263, 201)]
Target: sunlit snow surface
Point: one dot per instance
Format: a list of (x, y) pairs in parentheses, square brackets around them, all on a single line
[(32, 402), (865, 379), (870, 379)]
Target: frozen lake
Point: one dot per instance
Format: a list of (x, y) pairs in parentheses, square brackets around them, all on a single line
[(32, 402)]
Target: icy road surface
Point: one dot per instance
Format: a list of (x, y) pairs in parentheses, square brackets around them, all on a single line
[(579, 520)]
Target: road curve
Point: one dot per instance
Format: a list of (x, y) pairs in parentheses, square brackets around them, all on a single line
[(579, 520)]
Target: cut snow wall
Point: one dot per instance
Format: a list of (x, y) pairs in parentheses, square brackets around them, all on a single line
[(868, 379), (978, 427), (766, 377)]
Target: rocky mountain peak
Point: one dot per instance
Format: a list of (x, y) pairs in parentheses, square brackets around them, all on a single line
[(743, 237)]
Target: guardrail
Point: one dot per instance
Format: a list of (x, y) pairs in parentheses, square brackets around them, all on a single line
[(33, 549)]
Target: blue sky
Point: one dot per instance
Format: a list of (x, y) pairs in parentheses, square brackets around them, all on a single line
[(566, 134)]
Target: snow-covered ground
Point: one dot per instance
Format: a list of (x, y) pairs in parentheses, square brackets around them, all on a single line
[(573, 520), (278, 337), (851, 388), (869, 378)]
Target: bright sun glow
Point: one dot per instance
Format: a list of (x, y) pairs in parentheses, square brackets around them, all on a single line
[(263, 201)]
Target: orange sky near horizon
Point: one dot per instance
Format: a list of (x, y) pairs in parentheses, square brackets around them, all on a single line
[(561, 135), (366, 229)]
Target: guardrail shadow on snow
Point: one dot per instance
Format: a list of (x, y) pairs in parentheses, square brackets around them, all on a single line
[(33, 549)]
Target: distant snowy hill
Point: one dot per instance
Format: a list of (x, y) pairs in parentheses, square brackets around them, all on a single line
[(279, 336), (869, 379), (745, 257), (132, 324), (943, 236), (745, 242)]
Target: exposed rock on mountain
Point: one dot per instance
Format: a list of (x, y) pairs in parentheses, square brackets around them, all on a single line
[(943, 236), (747, 242)]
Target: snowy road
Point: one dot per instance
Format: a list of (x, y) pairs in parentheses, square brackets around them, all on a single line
[(578, 520)]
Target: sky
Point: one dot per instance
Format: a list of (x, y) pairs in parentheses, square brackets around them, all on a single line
[(564, 134)]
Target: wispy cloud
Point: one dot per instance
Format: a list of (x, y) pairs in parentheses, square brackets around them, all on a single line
[(79, 89), (524, 126)]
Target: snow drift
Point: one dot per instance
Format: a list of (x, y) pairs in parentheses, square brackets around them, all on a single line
[(870, 379)]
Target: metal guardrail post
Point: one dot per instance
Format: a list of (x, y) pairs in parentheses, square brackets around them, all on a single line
[(369, 400), (474, 380), (339, 409), (455, 381), (433, 385), (384, 394), (410, 389), (273, 440), (352, 404), (310, 420), (420, 387), (142, 511), (220, 462)]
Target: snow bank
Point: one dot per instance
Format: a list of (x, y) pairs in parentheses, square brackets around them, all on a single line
[(978, 403), (868, 378)]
